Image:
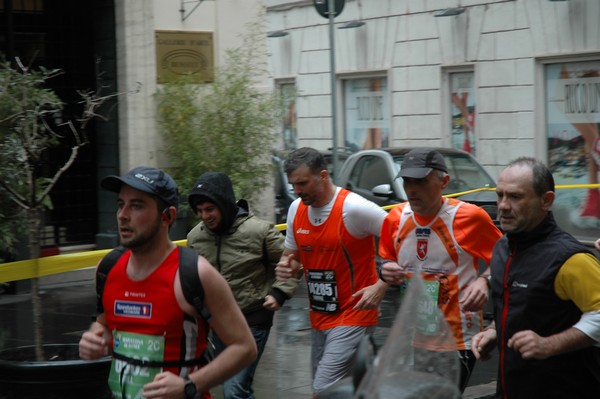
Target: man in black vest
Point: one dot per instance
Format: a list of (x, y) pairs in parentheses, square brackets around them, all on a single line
[(545, 295)]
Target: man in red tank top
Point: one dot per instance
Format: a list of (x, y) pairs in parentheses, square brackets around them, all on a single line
[(146, 315), (330, 231)]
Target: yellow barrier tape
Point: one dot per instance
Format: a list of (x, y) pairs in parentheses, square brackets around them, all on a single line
[(32, 268), (596, 185), (40, 267)]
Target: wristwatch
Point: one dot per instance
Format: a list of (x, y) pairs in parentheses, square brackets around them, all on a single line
[(488, 279), (190, 390)]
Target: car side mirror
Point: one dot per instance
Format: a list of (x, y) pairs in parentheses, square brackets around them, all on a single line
[(383, 190)]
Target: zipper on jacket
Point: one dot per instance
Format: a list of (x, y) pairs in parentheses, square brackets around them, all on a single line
[(218, 243), (501, 341)]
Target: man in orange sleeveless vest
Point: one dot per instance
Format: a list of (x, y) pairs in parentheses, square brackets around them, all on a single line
[(443, 238), (145, 314), (330, 231)]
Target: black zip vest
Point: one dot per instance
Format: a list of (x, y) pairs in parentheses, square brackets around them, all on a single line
[(524, 267)]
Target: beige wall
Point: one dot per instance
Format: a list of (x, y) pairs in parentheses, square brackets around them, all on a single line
[(137, 20), (503, 42)]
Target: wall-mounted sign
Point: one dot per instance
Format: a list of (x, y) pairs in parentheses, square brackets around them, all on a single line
[(180, 53)]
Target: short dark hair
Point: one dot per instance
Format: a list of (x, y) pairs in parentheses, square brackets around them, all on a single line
[(163, 207), (161, 204), (305, 156), (543, 181)]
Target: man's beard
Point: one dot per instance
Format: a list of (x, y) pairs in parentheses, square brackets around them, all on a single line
[(308, 200), (143, 239)]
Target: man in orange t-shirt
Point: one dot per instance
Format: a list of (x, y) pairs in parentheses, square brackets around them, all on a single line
[(331, 231), (444, 239)]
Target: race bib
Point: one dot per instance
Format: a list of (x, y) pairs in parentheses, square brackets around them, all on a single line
[(322, 291), (127, 380), (428, 313)]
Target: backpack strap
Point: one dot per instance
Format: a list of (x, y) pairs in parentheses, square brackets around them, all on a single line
[(190, 281), (105, 265)]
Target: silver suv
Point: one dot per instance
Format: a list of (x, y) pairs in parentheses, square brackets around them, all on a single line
[(372, 174)]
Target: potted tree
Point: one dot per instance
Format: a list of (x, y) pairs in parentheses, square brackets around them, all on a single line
[(226, 125), (28, 129)]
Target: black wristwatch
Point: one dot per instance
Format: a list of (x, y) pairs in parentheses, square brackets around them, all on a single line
[(488, 279), (190, 390)]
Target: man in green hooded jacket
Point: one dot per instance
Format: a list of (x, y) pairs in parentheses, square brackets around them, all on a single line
[(245, 250)]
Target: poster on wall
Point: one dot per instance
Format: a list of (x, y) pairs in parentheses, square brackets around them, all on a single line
[(462, 100), (572, 121), (287, 92), (366, 114)]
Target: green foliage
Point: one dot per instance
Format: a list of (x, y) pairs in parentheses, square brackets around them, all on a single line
[(227, 125), (27, 111), (25, 108)]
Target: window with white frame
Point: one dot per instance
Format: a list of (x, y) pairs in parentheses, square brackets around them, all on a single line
[(366, 113)]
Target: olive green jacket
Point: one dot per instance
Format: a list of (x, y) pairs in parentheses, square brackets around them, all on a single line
[(246, 256)]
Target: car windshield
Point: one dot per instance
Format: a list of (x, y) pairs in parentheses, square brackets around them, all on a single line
[(465, 173)]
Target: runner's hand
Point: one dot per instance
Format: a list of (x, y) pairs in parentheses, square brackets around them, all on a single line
[(271, 303), (483, 343), (475, 295), (392, 273), (93, 344), (287, 267), (530, 345), (371, 296)]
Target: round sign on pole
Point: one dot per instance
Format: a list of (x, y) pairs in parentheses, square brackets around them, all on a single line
[(322, 7)]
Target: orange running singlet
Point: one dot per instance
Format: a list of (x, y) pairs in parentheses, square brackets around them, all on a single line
[(336, 265)]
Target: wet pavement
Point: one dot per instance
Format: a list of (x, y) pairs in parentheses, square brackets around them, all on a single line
[(283, 372)]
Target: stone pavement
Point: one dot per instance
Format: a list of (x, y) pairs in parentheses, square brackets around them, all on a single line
[(284, 370)]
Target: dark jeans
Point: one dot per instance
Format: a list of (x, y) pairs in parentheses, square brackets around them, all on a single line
[(240, 385)]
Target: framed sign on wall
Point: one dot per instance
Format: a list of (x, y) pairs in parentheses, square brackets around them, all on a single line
[(180, 53)]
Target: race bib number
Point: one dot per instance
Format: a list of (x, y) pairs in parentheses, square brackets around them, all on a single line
[(322, 291), (127, 380), (428, 312)]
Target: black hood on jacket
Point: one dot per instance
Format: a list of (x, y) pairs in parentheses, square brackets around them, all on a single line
[(215, 187)]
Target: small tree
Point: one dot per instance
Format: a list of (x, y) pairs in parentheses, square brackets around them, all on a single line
[(227, 125), (10, 225), (27, 111)]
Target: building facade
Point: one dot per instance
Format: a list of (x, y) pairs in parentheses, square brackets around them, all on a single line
[(497, 78), (126, 44), (142, 31)]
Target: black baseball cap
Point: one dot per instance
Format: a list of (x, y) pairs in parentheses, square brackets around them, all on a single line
[(150, 180), (418, 163)]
